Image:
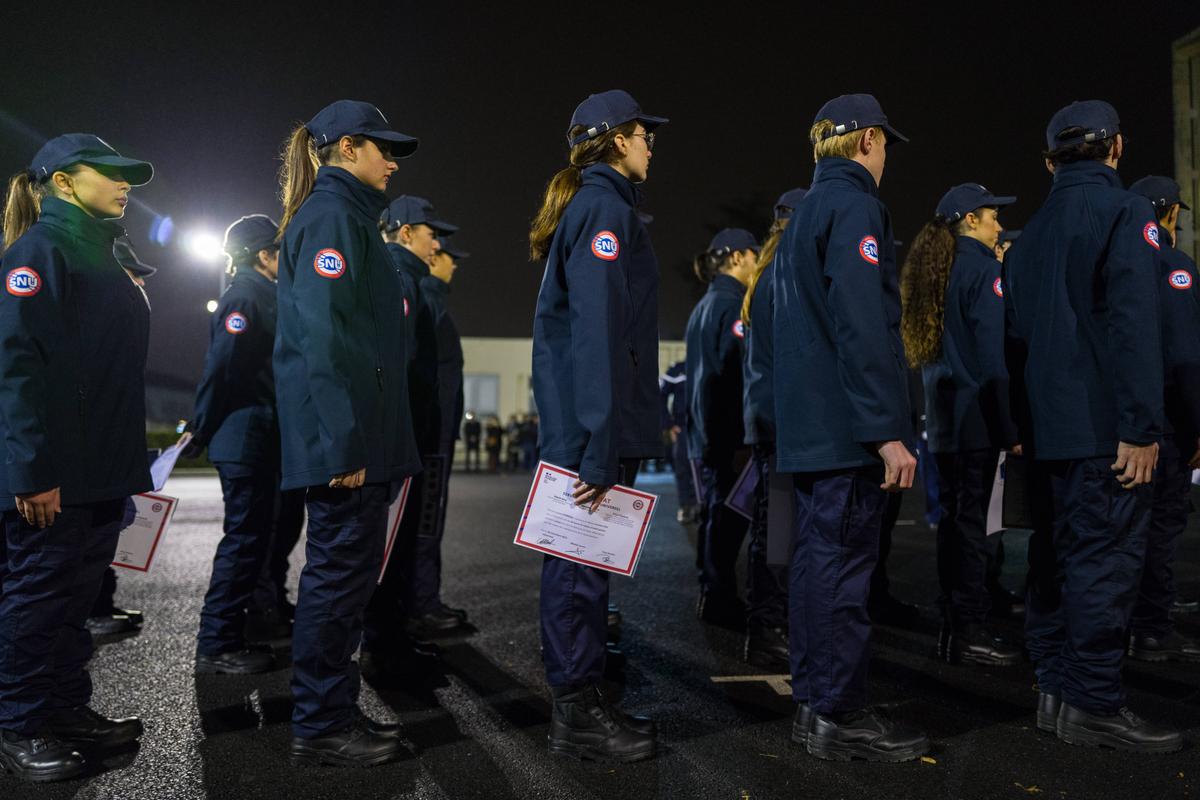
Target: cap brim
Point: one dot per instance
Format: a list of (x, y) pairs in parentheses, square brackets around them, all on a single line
[(1184, 206), (894, 136), (998, 202), (457, 255), (137, 173), (441, 227), (402, 146), (650, 123)]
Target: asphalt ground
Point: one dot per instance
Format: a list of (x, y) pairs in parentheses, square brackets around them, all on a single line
[(477, 728)]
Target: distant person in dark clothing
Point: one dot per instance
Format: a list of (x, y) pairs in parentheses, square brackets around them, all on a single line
[(493, 442), (472, 437)]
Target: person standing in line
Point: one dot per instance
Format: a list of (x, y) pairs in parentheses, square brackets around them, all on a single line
[(472, 434), (341, 385), (1082, 335), (766, 642), (953, 328), (595, 356), (493, 442), (74, 331), (840, 373)]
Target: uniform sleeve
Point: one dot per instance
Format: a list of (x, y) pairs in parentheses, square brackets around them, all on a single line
[(595, 273), (868, 368), (1180, 302), (1016, 356), (731, 344), (985, 315), (32, 324), (1134, 332), (326, 299), (231, 359)]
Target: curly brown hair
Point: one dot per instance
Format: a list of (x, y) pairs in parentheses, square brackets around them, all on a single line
[(923, 284)]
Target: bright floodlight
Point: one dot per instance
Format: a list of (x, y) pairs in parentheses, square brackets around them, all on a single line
[(204, 246), (211, 305)]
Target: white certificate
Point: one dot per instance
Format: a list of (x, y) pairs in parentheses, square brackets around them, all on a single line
[(995, 512), (395, 514), (610, 539), (160, 470), (138, 543)]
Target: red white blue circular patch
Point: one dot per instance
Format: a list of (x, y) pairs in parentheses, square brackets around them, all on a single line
[(868, 248), (739, 329), (329, 263), (1180, 279), (236, 323), (1150, 234), (605, 246), (23, 282), (998, 288)]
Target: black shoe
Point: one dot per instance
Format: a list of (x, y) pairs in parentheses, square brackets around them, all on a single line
[(892, 612), (722, 610), (864, 734), (116, 622), (83, 725), (802, 724), (41, 758), (1005, 604), (249, 661), (1183, 605), (434, 624), (1122, 731), (686, 515), (355, 746), (767, 647), (268, 625), (461, 613), (975, 644), (583, 725), (404, 666), (1172, 647), (1047, 712), (374, 726)]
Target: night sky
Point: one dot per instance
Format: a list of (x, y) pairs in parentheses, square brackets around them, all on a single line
[(208, 96)]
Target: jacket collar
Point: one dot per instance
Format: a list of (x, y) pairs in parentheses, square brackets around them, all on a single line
[(727, 284), (605, 176), (406, 261), (845, 171), (1164, 238), (79, 223), (1085, 173), (370, 202), (965, 245), (253, 276)]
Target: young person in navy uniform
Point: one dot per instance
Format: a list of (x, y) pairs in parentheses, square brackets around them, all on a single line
[(714, 337), (672, 389), (595, 364), (841, 374), (1154, 636), (342, 394), (1084, 352), (235, 419), (409, 594), (74, 330), (953, 328), (766, 641)]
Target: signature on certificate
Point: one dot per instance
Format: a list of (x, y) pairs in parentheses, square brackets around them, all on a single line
[(546, 540), (606, 558)]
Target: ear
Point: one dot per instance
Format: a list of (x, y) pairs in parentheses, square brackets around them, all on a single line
[(1049, 166), (621, 144), (1118, 148), (868, 142), (62, 182), (406, 233), (346, 149)]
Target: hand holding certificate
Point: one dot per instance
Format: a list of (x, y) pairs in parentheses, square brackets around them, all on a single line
[(611, 538)]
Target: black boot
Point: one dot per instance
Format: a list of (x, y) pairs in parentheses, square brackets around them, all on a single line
[(115, 622), (725, 611), (1172, 647), (1048, 708), (249, 661), (434, 624), (802, 724), (41, 758), (585, 726), (866, 734), (613, 622), (975, 644), (1121, 731), (355, 746), (767, 647), (83, 725)]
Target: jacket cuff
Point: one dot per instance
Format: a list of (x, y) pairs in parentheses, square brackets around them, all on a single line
[(31, 478)]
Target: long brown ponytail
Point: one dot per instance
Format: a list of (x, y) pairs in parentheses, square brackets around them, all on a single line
[(764, 258), (297, 174), (566, 182), (923, 292)]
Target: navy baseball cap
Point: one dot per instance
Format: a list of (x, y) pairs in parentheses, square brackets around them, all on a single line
[(1010, 236), (409, 210), (249, 235), (788, 201), (452, 251), (854, 112), (354, 118), (1087, 121), (965, 198), (731, 240), (84, 148), (602, 112), (123, 252), (1162, 192)]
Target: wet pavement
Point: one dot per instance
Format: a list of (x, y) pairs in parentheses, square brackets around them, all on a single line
[(477, 728)]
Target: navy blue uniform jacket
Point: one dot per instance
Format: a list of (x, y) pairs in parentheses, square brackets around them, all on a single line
[(1178, 289), (235, 402), (595, 333), (423, 348), (74, 331), (714, 370), (340, 358), (759, 401), (450, 361), (966, 388), (839, 361), (1082, 335)]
